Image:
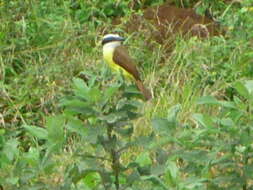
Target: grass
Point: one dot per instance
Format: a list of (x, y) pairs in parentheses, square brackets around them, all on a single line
[(44, 45)]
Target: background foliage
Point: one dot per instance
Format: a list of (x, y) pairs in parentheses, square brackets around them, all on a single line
[(57, 102)]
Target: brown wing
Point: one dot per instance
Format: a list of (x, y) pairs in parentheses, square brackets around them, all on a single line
[(122, 58)]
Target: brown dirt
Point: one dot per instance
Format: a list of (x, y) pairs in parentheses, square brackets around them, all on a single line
[(162, 23)]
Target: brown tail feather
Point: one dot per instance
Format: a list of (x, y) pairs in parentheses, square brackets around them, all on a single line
[(146, 93)]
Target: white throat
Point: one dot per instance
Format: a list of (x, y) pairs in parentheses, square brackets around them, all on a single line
[(111, 45)]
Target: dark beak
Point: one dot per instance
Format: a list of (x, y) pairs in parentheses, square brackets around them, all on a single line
[(120, 39)]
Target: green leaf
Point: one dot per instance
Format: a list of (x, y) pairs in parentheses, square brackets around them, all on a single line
[(195, 156), (194, 183), (227, 122), (76, 106), (126, 105), (125, 131), (173, 112), (144, 141), (2, 132), (239, 103), (92, 179), (107, 144), (245, 138), (134, 176), (113, 117), (77, 126), (208, 100), (158, 170), (172, 171), (160, 125), (74, 103), (227, 104), (84, 111), (204, 120), (131, 92), (10, 149), (80, 84), (76, 173), (161, 156), (94, 132), (249, 86), (155, 180), (92, 80), (80, 88), (248, 170), (241, 89), (94, 95), (110, 92), (163, 140), (37, 132), (143, 159), (32, 157), (55, 128), (12, 180)]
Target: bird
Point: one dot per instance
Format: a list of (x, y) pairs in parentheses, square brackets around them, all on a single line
[(118, 59)]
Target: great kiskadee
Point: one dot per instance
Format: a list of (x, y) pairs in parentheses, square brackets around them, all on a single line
[(118, 59)]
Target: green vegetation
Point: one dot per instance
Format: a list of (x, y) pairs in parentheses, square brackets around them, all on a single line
[(67, 123)]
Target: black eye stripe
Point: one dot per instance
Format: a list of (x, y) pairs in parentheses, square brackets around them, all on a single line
[(110, 39)]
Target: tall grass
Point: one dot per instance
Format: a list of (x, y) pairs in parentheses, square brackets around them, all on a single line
[(45, 44)]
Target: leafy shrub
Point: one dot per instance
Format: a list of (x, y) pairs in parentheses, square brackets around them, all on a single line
[(102, 120), (217, 152)]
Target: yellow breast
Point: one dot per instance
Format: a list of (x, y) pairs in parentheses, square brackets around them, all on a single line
[(108, 58)]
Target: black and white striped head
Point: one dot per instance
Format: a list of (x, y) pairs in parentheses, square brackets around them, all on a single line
[(108, 38)]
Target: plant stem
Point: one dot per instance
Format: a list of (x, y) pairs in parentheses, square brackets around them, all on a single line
[(114, 157)]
